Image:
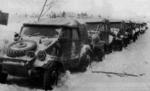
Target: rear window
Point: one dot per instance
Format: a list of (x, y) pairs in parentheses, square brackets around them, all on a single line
[(75, 34)]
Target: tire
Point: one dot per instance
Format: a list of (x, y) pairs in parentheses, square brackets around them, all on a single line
[(125, 43), (3, 77), (19, 48), (120, 48), (1, 68), (98, 54), (134, 39), (85, 60), (50, 78), (108, 48), (51, 74)]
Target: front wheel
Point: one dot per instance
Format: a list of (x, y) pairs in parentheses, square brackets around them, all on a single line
[(84, 62), (50, 78), (3, 76), (52, 73)]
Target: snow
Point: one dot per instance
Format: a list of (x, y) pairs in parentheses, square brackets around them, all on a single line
[(134, 59)]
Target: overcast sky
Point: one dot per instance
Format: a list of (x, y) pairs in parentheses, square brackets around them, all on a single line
[(112, 8)]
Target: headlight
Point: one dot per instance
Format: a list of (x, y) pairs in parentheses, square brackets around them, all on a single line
[(41, 55), (121, 36)]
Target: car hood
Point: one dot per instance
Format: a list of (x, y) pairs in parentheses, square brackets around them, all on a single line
[(42, 43)]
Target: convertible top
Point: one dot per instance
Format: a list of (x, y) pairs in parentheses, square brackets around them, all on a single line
[(66, 22), (59, 22), (94, 21)]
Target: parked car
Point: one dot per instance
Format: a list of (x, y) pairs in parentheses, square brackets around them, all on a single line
[(47, 50), (118, 28), (44, 50), (96, 32)]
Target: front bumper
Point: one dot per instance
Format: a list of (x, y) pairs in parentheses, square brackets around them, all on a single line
[(14, 66)]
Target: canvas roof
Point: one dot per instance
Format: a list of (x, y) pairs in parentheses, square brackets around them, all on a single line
[(66, 22)]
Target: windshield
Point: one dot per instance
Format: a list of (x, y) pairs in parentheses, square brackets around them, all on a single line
[(51, 32)]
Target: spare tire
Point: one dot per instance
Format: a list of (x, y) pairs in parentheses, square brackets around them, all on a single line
[(19, 48)]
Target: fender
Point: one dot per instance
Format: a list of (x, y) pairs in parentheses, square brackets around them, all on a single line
[(56, 64), (86, 49)]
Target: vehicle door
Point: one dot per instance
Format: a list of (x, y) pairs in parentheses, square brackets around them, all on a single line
[(65, 43), (76, 43)]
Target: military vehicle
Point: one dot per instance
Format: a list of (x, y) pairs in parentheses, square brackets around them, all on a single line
[(118, 28), (125, 31), (128, 31), (46, 50), (142, 27), (102, 34), (133, 29), (110, 32), (113, 34), (98, 34)]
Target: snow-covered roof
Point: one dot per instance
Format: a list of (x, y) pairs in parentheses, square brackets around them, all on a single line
[(57, 22), (92, 20)]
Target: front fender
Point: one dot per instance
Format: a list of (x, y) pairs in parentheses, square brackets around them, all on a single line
[(86, 49), (54, 65)]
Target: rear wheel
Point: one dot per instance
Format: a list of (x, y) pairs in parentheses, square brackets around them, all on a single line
[(3, 77)]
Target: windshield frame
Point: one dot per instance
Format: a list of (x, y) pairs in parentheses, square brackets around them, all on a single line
[(21, 31)]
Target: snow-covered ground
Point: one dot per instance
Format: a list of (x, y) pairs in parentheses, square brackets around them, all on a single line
[(134, 59)]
